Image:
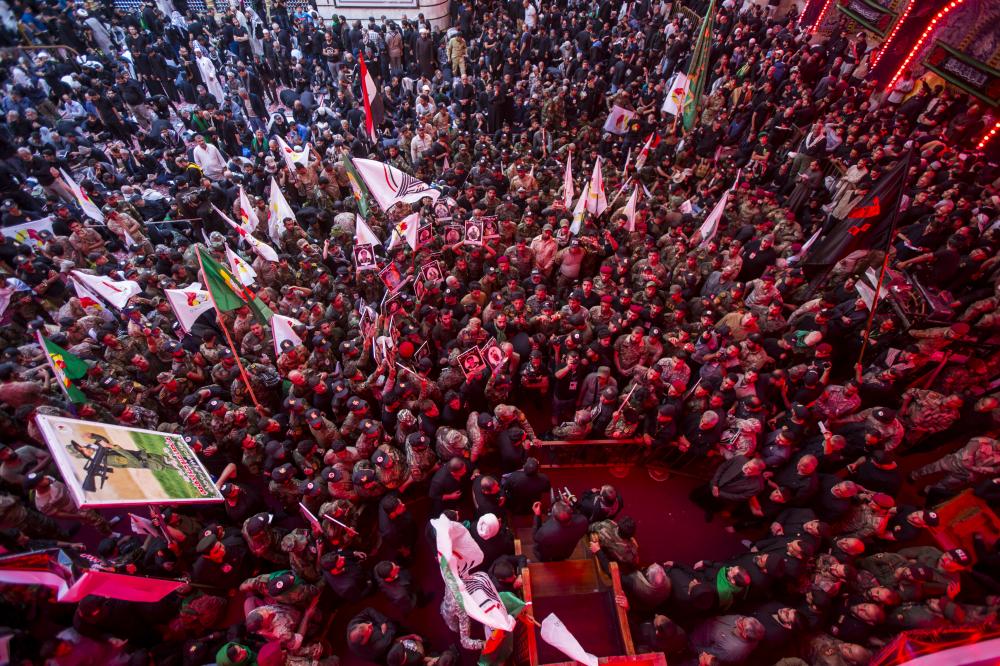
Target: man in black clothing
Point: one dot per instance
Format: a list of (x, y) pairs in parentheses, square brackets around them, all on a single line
[(525, 486), (447, 485), (370, 635), (556, 538)]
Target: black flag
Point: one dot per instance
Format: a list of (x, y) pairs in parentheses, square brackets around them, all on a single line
[(869, 225)]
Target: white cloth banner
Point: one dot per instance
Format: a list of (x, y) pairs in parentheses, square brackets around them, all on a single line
[(281, 328), (390, 186), (188, 304), (618, 120), (114, 292), (555, 633)]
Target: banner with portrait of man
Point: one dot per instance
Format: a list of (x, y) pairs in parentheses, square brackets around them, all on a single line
[(111, 465), (474, 231), (364, 257)]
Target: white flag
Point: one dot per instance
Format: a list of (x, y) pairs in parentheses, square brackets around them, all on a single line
[(866, 293), (188, 304), (363, 234), (407, 229), (27, 233), (630, 208), (678, 90), (292, 156), (555, 633), (580, 210), (258, 246), (618, 120), (568, 182), (246, 274), (390, 186), (84, 201), (458, 554), (281, 328), (88, 299), (597, 202), (114, 292), (805, 248), (711, 224), (687, 207), (248, 216), (279, 210)]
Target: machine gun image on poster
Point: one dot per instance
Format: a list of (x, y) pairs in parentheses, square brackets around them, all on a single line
[(110, 465)]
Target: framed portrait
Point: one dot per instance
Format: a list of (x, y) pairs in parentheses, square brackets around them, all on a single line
[(392, 277), (491, 227), (425, 234), (364, 257), (474, 232), (431, 272), (452, 234), (471, 362), (493, 354)]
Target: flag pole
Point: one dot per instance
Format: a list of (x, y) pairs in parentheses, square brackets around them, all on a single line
[(885, 261), (229, 339)]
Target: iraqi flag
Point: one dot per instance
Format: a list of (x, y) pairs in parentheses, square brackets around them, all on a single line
[(618, 120), (283, 329), (244, 271), (188, 304), (278, 211), (374, 112), (869, 225), (673, 103), (597, 201), (390, 186), (248, 216), (115, 292)]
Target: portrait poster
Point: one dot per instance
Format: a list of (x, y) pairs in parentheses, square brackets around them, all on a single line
[(431, 272), (442, 210), (364, 257), (491, 226), (425, 235), (453, 234), (493, 354), (471, 362), (391, 277), (111, 465), (474, 231)]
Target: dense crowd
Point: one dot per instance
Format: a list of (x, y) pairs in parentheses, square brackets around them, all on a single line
[(727, 353)]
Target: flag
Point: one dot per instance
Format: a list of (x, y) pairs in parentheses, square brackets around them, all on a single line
[(555, 633), (66, 367), (188, 304), (120, 586), (248, 216), (292, 156), (281, 329), (630, 208), (711, 224), (357, 186), (244, 271), (568, 182), (226, 291), (500, 644), (458, 553), (652, 142), (390, 186), (258, 246), (580, 210), (597, 202), (279, 210), (869, 225), (804, 250), (28, 232), (374, 112), (82, 198), (363, 234), (407, 230), (88, 299), (50, 568), (618, 120), (698, 69), (676, 93), (114, 292), (866, 293)]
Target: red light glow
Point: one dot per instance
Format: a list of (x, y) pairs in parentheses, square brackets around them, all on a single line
[(988, 136), (917, 45), (822, 15), (888, 40)]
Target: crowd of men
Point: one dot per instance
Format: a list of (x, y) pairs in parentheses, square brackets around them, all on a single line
[(723, 353)]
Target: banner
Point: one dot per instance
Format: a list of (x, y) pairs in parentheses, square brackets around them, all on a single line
[(28, 232), (282, 329), (279, 210), (188, 304), (390, 186), (112, 465), (117, 293), (674, 101), (555, 633), (597, 202), (458, 553), (618, 120)]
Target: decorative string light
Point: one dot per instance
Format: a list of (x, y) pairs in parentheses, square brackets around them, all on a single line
[(920, 42), (805, 10), (988, 136), (888, 40), (822, 15)]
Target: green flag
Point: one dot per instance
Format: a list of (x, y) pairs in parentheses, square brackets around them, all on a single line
[(357, 186), (500, 644), (228, 293), (698, 69), (66, 367)]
